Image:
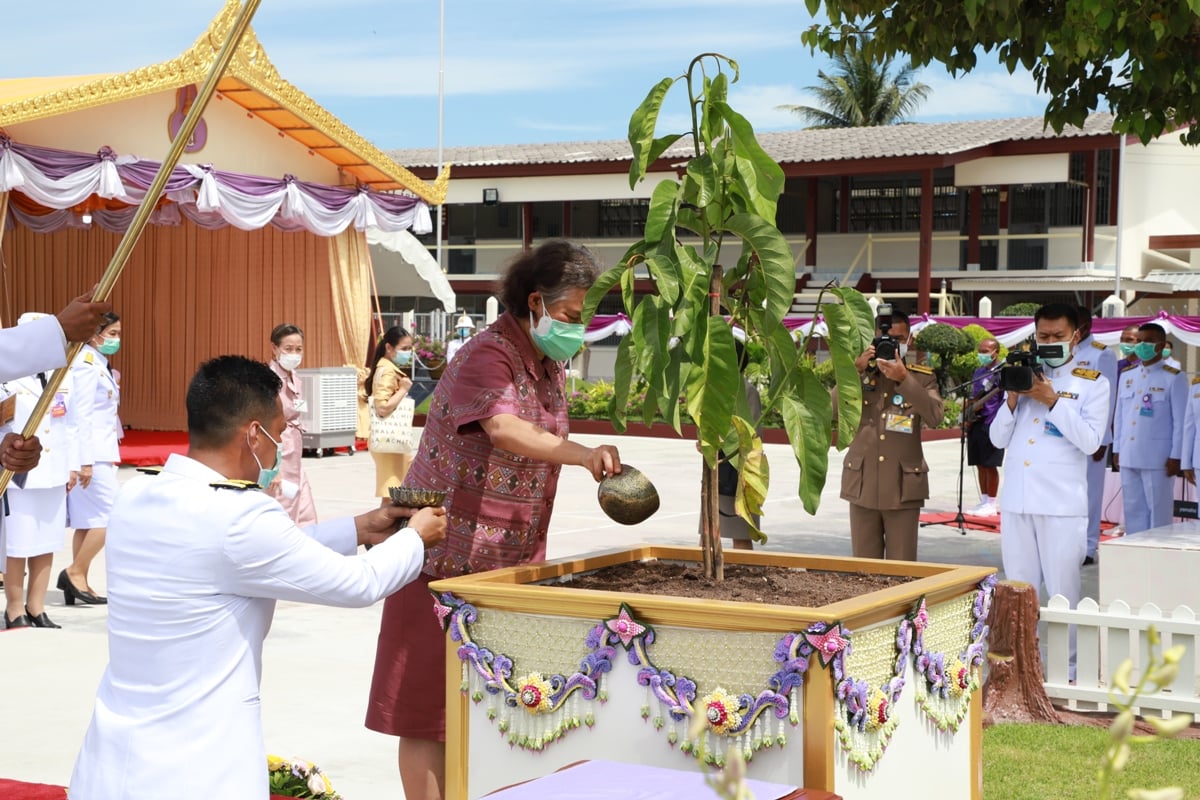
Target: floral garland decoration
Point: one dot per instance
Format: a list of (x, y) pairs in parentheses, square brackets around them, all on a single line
[(866, 715), (737, 717), (298, 778), (551, 704), (951, 678)]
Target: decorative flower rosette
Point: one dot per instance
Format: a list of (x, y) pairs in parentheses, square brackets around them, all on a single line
[(948, 678), (298, 778)]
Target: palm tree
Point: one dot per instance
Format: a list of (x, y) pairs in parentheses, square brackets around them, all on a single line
[(862, 92)]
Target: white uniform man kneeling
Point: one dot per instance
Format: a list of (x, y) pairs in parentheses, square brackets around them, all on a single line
[(1049, 432)]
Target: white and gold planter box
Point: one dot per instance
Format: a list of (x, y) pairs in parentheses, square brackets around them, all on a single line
[(541, 676)]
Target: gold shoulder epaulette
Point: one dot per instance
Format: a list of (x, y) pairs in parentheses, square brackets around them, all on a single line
[(240, 486), (88, 358), (921, 368), (1170, 370), (1099, 345), (150, 470), (1087, 374), (1195, 380)]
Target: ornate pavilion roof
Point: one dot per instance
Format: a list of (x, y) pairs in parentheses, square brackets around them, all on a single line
[(251, 81)]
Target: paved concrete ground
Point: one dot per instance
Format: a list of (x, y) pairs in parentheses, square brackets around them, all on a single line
[(317, 662)]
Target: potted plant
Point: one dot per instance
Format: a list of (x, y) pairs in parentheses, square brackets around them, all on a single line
[(431, 354), (809, 695)]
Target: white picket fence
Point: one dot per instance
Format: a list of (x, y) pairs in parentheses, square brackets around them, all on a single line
[(1105, 637)]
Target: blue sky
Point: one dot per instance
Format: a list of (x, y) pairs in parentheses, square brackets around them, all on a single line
[(517, 71)]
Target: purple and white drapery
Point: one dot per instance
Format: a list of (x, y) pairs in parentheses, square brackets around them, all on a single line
[(1010, 331), (210, 198)]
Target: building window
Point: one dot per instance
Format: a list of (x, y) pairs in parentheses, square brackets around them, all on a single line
[(622, 219), (893, 203)]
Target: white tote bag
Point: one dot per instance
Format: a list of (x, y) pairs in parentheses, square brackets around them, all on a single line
[(393, 433)]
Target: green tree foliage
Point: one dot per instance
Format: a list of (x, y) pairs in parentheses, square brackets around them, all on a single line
[(944, 342), (963, 366), (1020, 310), (862, 92), (1141, 58), (717, 261)]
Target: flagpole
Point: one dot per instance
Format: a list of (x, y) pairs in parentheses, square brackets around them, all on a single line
[(104, 288), (441, 105)]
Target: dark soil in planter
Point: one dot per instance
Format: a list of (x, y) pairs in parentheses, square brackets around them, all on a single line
[(743, 582)]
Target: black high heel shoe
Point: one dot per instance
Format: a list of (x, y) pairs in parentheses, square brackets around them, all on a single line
[(40, 620), (71, 594), (21, 621)]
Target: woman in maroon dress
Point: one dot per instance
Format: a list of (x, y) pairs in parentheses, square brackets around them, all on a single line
[(499, 409)]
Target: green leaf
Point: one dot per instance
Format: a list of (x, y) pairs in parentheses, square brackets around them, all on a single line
[(767, 172), (806, 419), (600, 289), (709, 384), (716, 92), (704, 181), (693, 298), (772, 278), (641, 131), (843, 340), (665, 273), (622, 383), (627, 295), (754, 476), (660, 217)]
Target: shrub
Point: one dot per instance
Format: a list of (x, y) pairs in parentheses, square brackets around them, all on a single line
[(1019, 310), (963, 366)]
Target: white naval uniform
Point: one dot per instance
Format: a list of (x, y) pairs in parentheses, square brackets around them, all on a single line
[(1044, 501), (31, 348), (193, 575), (1190, 454), (1091, 354), (96, 399), (28, 349), (38, 510), (1148, 430)]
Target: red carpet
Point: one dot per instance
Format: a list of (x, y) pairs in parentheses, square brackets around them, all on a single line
[(19, 790), (983, 523)]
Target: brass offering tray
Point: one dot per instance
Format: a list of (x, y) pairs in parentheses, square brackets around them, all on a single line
[(410, 497)]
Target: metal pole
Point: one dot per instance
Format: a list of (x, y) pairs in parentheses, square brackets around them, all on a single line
[(441, 210), (1121, 178), (133, 233)]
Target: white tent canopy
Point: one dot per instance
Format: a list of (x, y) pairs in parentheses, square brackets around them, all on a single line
[(416, 255)]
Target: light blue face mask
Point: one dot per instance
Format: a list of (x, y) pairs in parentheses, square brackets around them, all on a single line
[(402, 358), (557, 339), (266, 476), (109, 346)]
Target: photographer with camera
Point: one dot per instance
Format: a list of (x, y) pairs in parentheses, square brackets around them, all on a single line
[(885, 477), (1051, 422), (1148, 431)]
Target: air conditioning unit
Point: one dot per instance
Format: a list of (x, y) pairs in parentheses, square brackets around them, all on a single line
[(330, 416)]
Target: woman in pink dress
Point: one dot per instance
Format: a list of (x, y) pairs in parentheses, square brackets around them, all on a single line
[(500, 407), (291, 488)]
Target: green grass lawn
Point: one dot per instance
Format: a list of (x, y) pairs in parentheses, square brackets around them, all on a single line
[(1061, 762)]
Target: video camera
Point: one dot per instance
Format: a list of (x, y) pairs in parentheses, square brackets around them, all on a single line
[(1017, 374), (886, 346)]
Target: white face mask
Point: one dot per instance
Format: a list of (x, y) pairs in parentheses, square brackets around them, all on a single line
[(902, 351), (290, 361)]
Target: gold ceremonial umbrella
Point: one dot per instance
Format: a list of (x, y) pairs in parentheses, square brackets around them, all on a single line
[(134, 232)]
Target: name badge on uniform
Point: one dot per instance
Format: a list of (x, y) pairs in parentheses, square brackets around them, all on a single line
[(1069, 395), (899, 423), (8, 409), (1147, 409), (1052, 430), (59, 409), (300, 404)]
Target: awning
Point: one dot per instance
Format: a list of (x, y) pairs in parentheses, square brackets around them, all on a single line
[(416, 255), (1016, 281)]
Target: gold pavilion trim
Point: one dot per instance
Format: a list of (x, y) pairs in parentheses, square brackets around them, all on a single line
[(251, 82)]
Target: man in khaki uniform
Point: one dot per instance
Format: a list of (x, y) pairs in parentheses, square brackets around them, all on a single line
[(885, 476)]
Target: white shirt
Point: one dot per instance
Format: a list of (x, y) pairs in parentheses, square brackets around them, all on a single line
[(60, 452), (1091, 354), (1151, 404), (193, 575), (97, 398), (1046, 449), (31, 348)]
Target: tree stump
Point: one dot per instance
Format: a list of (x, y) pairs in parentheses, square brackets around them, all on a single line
[(1014, 690)]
